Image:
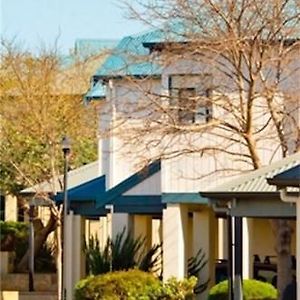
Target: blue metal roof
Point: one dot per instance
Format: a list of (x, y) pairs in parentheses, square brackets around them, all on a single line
[(87, 191), (290, 177), (141, 204), (131, 58), (96, 92), (87, 47), (114, 193)]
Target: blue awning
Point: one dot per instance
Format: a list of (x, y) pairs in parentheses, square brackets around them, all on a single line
[(88, 191), (141, 204), (117, 191)]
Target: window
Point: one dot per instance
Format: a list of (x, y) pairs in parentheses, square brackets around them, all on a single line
[(190, 99)]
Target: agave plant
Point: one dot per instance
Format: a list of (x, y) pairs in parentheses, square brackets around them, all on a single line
[(122, 253), (195, 265)]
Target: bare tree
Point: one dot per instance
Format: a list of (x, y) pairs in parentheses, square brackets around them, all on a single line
[(230, 89)]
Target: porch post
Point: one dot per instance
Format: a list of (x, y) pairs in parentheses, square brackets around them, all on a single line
[(204, 229), (142, 227), (238, 258), (298, 247), (68, 256), (119, 221), (174, 241)]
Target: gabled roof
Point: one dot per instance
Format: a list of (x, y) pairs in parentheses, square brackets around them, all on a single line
[(256, 181), (114, 193), (87, 191), (290, 177), (96, 92), (131, 58), (75, 178)]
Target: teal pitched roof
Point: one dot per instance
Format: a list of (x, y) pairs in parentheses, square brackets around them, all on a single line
[(114, 193), (87, 47), (87, 191), (131, 57), (96, 92)]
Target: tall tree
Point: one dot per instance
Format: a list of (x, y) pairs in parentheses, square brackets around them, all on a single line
[(40, 102), (244, 59)]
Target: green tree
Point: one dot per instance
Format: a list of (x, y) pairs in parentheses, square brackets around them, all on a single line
[(40, 102)]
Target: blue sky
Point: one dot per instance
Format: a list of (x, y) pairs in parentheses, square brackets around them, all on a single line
[(34, 22)]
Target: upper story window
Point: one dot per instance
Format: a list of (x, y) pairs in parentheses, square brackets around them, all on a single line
[(189, 98)]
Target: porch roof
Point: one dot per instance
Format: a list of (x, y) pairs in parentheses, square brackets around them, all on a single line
[(251, 195), (115, 195), (290, 177), (256, 181)]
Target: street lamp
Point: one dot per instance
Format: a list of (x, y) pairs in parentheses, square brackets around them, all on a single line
[(66, 148)]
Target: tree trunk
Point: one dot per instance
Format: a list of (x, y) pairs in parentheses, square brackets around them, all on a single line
[(283, 234), (39, 239)]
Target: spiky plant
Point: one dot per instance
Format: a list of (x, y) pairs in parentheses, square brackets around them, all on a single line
[(195, 265), (122, 253)]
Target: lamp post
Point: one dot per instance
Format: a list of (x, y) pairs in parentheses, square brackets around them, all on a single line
[(31, 248), (66, 148)]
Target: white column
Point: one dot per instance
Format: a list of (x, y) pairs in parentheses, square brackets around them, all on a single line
[(142, 227), (68, 256), (174, 241), (10, 208), (78, 266), (119, 221), (247, 253), (204, 232), (298, 247), (222, 239)]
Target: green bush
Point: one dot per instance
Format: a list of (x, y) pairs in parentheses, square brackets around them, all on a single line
[(252, 290), (14, 237), (132, 285)]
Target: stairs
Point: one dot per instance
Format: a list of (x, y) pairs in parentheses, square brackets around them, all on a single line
[(38, 296)]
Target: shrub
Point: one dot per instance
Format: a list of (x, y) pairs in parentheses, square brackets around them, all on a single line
[(133, 285), (14, 237), (252, 290)]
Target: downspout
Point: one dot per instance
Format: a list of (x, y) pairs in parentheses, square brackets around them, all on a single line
[(285, 197)]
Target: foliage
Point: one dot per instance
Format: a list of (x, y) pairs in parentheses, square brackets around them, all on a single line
[(40, 102), (252, 290), (195, 265), (14, 237), (123, 253), (131, 285), (11, 231)]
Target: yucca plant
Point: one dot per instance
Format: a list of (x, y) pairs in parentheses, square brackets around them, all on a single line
[(122, 253), (195, 265)]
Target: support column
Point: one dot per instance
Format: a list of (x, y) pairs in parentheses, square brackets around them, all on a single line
[(10, 208), (78, 266), (247, 249), (298, 247), (204, 229), (174, 241), (142, 227), (222, 239), (68, 256), (119, 221)]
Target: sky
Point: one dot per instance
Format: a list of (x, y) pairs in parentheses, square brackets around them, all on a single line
[(36, 22)]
